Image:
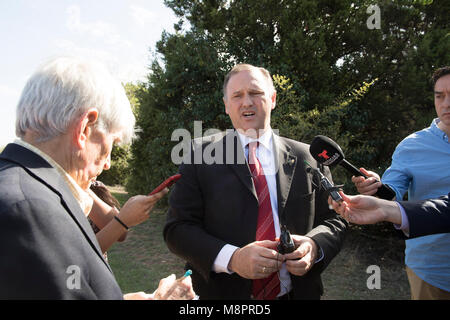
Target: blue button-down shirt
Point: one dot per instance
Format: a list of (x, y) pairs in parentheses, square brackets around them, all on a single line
[(421, 167)]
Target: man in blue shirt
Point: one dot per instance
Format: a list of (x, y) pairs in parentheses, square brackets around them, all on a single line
[(421, 166)]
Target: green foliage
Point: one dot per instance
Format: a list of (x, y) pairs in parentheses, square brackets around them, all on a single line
[(325, 48), (293, 121), (365, 89), (119, 171), (185, 90)]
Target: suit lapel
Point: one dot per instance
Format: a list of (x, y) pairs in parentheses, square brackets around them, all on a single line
[(286, 162), (237, 160), (47, 175)]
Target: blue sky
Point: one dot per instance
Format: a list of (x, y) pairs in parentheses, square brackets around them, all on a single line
[(121, 33)]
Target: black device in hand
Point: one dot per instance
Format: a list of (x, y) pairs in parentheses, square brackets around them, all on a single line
[(329, 153), (325, 184), (286, 244)]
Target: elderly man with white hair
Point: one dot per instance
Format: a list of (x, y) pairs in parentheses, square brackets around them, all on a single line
[(70, 114)]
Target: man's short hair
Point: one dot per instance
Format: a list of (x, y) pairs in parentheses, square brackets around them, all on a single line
[(439, 73), (63, 89), (246, 67)]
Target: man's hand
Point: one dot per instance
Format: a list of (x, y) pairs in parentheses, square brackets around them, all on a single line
[(366, 209), (171, 289), (300, 261), (137, 209), (257, 260), (367, 186)]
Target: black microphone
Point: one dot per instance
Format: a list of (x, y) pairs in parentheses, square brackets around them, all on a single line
[(329, 153)]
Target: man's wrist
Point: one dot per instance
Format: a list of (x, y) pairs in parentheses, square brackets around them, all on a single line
[(318, 251), (232, 261), (392, 213)]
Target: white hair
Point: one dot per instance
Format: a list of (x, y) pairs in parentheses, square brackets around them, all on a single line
[(63, 89)]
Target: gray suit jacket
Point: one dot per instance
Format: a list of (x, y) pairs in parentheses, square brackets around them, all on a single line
[(47, 247), (215, 204)]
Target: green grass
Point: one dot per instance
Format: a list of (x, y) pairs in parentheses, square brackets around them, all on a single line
[(143, 259), (346, 276)]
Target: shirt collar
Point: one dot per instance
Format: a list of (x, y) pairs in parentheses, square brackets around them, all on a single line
[(437, 131), (264, 140), (84, 200)]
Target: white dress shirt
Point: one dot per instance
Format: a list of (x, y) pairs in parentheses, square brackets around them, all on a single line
[(266, 156)]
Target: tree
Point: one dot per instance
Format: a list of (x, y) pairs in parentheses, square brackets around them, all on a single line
[(326, 48), (185, 90), (365, 88)]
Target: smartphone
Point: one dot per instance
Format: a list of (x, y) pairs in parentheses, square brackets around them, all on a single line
[(166, 184)]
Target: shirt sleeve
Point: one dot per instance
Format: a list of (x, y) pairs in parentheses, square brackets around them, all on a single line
[(405, 222), (223, 259), (397, 176)]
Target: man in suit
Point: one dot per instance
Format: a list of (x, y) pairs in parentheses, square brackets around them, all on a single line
[(225, 215), (68, 117), (414, 218)]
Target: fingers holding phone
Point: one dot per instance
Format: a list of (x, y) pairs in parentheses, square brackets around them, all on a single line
[(166, 184), (137, 209), (154, 197)]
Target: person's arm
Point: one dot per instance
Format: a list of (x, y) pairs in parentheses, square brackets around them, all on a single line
[(428, 216), (419, 218), (398, 176), (184, 231), (185, 234), (223, 259), (362, 209), (101, 214), (135, 211)]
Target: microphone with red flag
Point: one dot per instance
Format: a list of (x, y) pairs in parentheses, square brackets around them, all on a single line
[(329, 153)]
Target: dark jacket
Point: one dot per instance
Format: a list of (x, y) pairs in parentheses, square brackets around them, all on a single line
[(215, 204), (427, 217), (47, 247)]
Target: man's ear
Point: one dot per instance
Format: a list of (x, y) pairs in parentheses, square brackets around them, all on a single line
[(225, 103), (274, 99), (84, 127)]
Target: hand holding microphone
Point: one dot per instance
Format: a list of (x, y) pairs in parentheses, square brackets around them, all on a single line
[(367, 186)]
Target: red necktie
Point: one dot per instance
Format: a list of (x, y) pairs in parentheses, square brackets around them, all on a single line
[(268, 288)]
